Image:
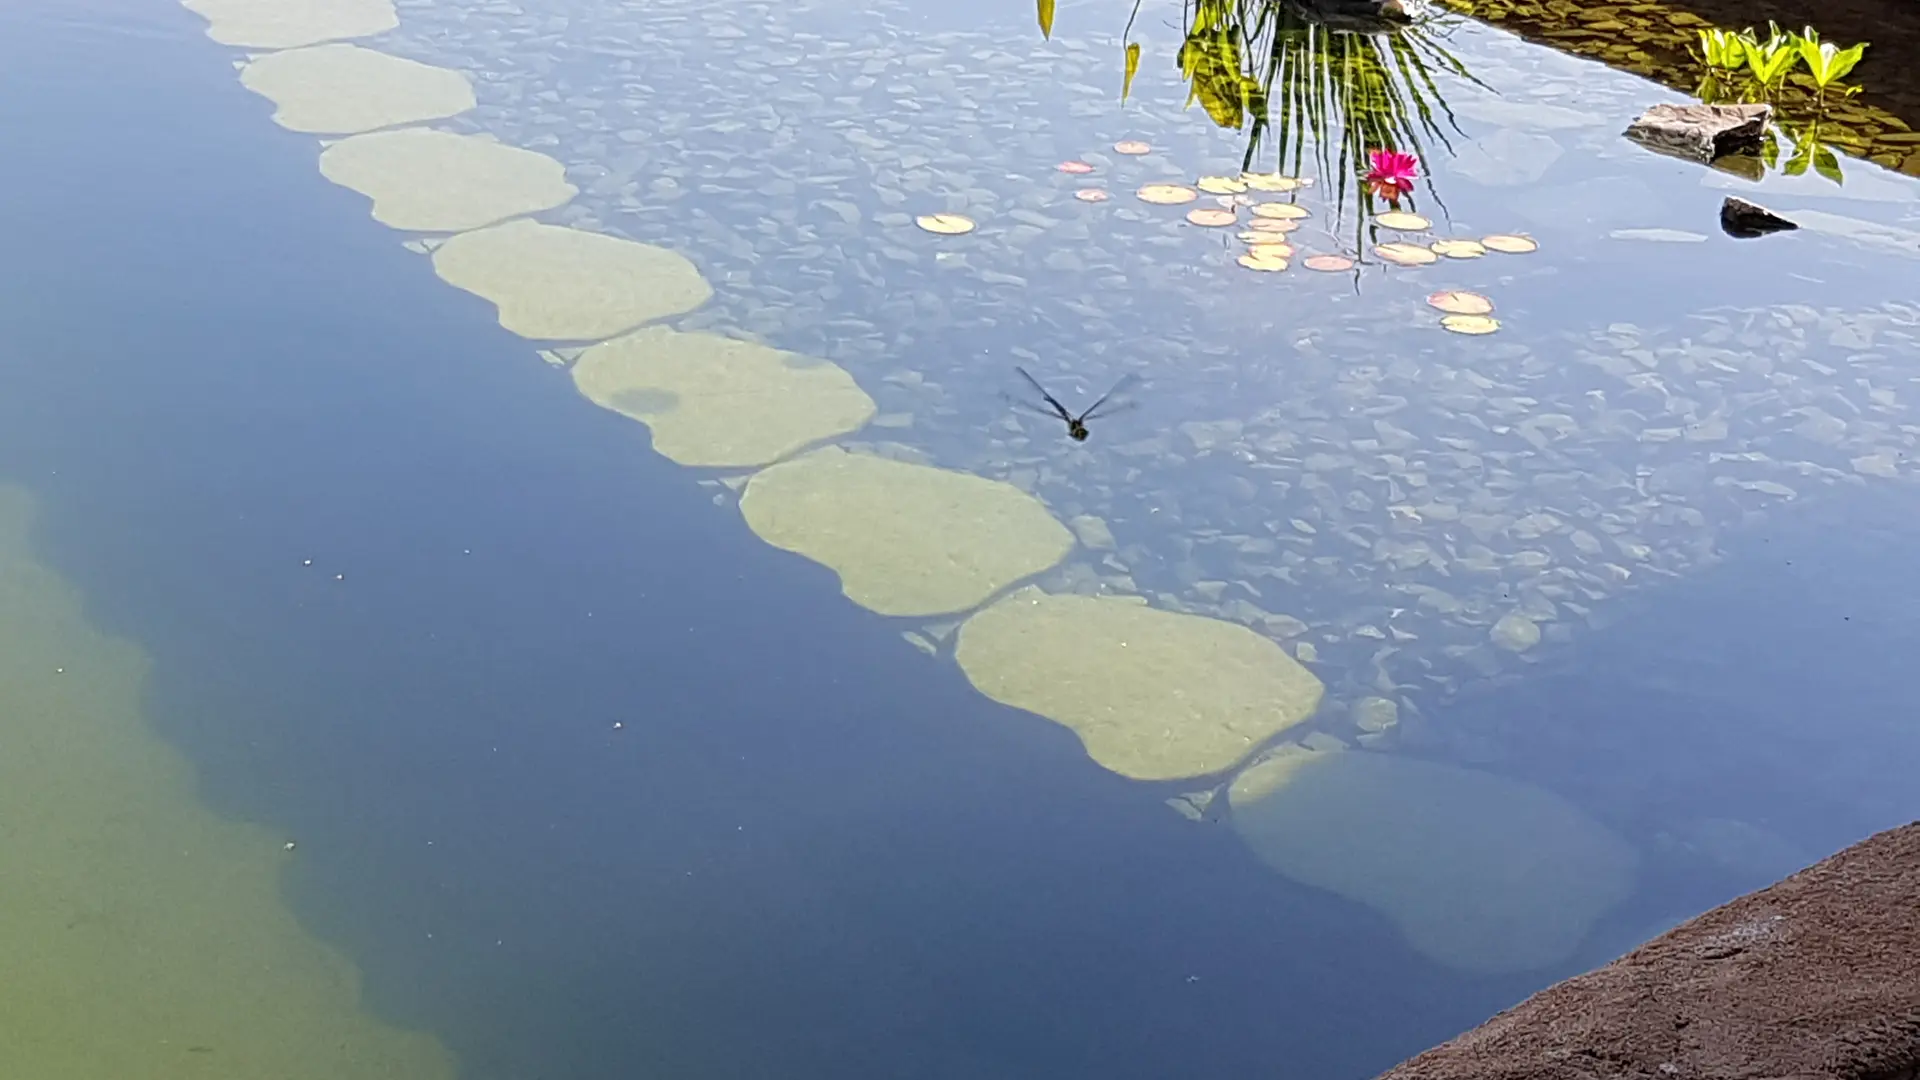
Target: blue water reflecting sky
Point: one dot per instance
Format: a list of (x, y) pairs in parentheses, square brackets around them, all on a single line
[(591, 783)]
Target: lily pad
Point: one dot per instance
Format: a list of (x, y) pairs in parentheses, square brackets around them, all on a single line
[(1167, 194), (1265, 259), (1327, 264), (560, 284), (1269, 181), (263, 24), (1131, 147), (1471, 324), (1221, 185), (1406, 254), (1272, 225), (1458, 302), (905, 539), (1211, 218), (1509, 243), (717, 402), (1279, 211), (1092, 194), (1459, 249), (435, 181), (1269, 245), (1077, 168), (1402, 221), (1480, 873), (1153, 695), (342, 89), (945, 224)]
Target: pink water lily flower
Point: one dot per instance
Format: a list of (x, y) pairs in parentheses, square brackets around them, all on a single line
[(1392, 173)]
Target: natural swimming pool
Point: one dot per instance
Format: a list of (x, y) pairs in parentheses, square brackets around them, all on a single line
[(1381, 674)]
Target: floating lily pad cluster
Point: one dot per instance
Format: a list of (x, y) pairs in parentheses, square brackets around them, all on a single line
[(1465, 312), (1267, 227)]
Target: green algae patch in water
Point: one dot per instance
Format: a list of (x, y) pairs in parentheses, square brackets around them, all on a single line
[(292, 24), (553, 283), (1480, 873), (905, 539), (141, 935), (1153, 695), (342, 89), (715, 401), (435, 181)]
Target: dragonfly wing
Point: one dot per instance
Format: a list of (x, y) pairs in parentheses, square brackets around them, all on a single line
[(1114, 400), (1026, 406), (1059, 410), (1109, 408)]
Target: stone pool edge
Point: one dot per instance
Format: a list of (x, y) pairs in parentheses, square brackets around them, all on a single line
[(1816, 977)]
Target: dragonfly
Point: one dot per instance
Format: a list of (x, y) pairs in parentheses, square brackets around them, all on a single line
[(1107, 404)]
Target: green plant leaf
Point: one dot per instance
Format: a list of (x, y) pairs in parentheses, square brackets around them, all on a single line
[(1767, 60), (1133, 68), (1844, 61), (1802, 156), (1046, 18), (1827, 165), (1826, 62), (1722, 49)]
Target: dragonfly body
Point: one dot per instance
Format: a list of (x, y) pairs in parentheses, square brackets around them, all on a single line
[(1077, 424)]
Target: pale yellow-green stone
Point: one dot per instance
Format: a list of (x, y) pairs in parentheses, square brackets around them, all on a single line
[(291, 24), (1153, 695), (905, 539), (1480, 873), (142, 935), (559, 284), (714, 401), (342, 89), (435, 181)]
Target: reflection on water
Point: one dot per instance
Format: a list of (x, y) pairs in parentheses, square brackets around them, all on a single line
[(1317, 571), (1661, 42), (1317, 98)]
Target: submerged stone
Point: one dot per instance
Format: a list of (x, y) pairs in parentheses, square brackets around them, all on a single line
[(435, 181), (1515, 633), (905, 539), (342, 89), (560, 284), (715, 401), (278, 24), (1480, 873), (1506, 158), (1153, 695)]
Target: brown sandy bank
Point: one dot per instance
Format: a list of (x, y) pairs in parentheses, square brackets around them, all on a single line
[(1814, 978)]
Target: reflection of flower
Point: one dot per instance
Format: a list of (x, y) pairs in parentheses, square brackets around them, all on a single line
[(1391, 174)]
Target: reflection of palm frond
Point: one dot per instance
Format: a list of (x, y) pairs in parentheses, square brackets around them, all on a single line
[(1292, 80)]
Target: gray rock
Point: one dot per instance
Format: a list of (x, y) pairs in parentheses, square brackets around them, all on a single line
[(1700, 132), (1744, 219)]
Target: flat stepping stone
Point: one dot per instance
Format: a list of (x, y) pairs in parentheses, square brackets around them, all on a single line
[(435, 181), (714, 401), (552, 283), (1153, 695), (342, 89), (905, 539)]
